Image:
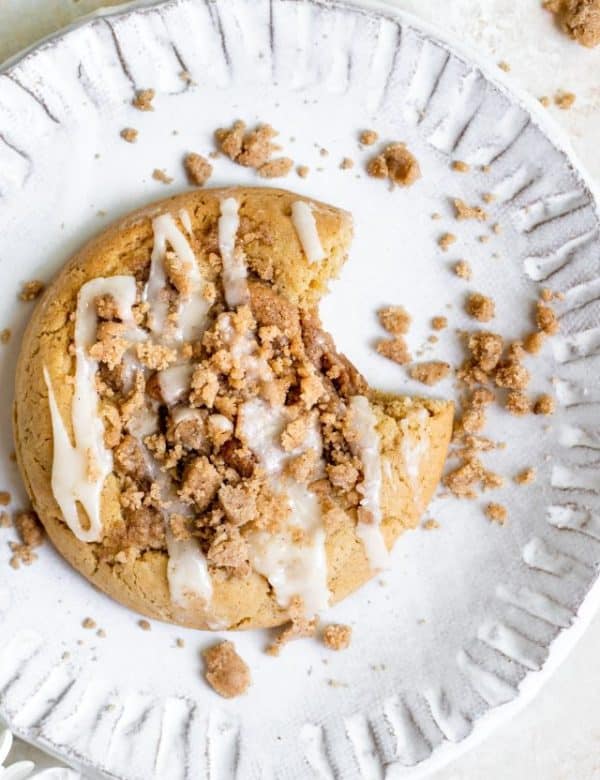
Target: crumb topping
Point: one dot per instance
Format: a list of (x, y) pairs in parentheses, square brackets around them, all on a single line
[(463, 270), (446, 240), (397, 164), (143, 99), (197, 168), (497, 513), (463, 211), (580, 19), (480, 307), (430, 373), (161, 175), (368, 137), (253, 149), (394, 349), (226, 671), (337, 636), (129, 134), (395, 319)]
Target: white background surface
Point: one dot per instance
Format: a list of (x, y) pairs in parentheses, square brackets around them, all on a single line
[(558, 735)]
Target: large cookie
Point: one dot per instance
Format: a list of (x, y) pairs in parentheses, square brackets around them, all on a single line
[(189, 436)]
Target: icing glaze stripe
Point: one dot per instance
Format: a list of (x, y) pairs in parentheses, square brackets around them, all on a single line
[(305, 225)]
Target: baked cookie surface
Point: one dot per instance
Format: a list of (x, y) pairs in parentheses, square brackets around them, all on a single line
[(189, 436)]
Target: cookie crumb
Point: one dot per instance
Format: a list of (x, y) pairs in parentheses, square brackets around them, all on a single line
[(4, 498), (274, 169), (5, 520), (517, 403), (431, 524), (564, 100), (144, 625), (160, 175), (430, 373), (464, 211), (143, 99), (88, 623), (347, 163), (439, 323), (299, 627), (368, 137), (546, 319), (446, 240), (544, 404), (480, 307), (337, 636), (460, 166), (31, 290), (5, 335), (503, 65), (395, 319), (179, 642), (129, 134), (533, 342), (463, 269), (303, 171), (496, 513), (197, 168), (488, 197), (580, 19), (436, 215), (395, 163), (525, 477), (394, 349), (225, 671), (544, 100), (101, 633)]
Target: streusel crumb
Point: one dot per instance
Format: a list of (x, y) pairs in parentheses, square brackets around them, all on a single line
[(161, 175), (525, 477), (395, 319), (143, 99), (226, 672), (31, 290), (198, 169), (463, 269), (496, 513), (533, 342), (346, 164), (368, 137), (273, 169), (144, 625), (564, 100), (430, 373), (300, 627), (303, 171), (394, 349), (460, 166), (88, 623), (517, 403), (129, 134), (463, 211), (439, 323), (503, 65), (580, 19), (5, 335), (480, 307), (397, 164), (4, 498), (446, 240), (546, 319), (337, 636), (544, 404)]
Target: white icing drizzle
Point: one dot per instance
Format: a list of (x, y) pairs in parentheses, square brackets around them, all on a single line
[(292, 569), (79, 471), (174, 382), (184, 216), (243, 348), (187, 572), (413, 453), (305, 225), (235, 273), (193, 307), (363, 422)]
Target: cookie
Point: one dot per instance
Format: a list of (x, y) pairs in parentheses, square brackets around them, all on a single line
[(188, 434)]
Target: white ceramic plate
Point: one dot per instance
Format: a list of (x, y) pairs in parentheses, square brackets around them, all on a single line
[(472, 616)]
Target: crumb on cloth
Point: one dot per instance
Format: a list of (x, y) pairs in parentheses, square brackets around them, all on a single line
[(197, 168), (143, 99), (395, 319), (129, 134), (497, 513), (394, 349), (396, 163), (226, 671), (337, 636), (431, 372), (580, 19)]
